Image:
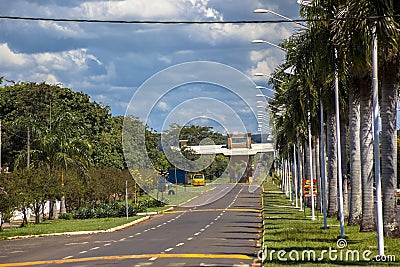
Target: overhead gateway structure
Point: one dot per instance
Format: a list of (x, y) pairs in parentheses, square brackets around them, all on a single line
[(241, 152)]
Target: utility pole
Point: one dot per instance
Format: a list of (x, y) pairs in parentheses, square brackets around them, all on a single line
[(28, 160), (1, 168)]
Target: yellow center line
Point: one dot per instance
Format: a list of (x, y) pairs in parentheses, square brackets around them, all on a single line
[(208, 210), (125, 257)]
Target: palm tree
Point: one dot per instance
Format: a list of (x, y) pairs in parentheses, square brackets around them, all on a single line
[(355, 163), (60, 147), (389, 70), (355, 35), (332, 165)]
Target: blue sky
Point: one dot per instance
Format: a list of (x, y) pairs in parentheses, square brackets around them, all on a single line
[(112, 62)]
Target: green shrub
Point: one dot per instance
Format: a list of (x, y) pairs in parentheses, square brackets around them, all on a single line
[(65, 216), (122, 211), (84, 213)]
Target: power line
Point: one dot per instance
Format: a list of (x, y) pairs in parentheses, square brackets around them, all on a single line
[(188, 22)]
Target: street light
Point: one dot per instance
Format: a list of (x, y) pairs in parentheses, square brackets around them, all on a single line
[(266, 42), (259, 74), (267, 11), (262, 95), (265, 88)]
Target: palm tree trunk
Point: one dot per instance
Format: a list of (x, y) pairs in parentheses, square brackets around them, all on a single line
[(355, 163), (367, 158), (332, 165), (389, 157)]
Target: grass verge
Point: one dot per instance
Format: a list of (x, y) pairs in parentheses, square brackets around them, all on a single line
[(61, 226), (298, 238)]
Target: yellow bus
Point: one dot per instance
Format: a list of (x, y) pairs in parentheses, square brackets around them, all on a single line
[(198, 179)]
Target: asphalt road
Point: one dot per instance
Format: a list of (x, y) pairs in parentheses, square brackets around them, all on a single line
[(221, 233)]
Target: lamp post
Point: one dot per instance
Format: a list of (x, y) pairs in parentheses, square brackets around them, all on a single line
[(379, 215), (265, 88), (267, 11), (266, 42), (259, 74)]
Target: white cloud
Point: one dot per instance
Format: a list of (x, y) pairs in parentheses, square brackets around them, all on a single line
[(10, 59), (108, 60), (163, 106), (144, 9)]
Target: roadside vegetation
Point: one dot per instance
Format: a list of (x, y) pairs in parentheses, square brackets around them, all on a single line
[(288, 229), (58, 146)]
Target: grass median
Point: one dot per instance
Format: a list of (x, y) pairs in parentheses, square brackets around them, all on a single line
[(61, 226), (290, 237)]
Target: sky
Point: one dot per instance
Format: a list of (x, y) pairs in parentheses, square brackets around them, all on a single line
[(137, 69)]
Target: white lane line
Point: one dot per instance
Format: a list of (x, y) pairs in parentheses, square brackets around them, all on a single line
[(197, 233), (83, 252), (168, 249), (68, 257), (207, 226), (81, 243), (211, 223), (153, 228), (122, 239), (164, 223), (158, 226), (180, 244), (146, 230), (108, 244), (141, 264), (216, 219), (130, 236), (138, 233), (190, 238), (153, 259), (202, 230), (94, 248)]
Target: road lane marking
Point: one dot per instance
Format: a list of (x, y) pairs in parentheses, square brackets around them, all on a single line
[(72, 244), (168, 249), (202, 230), (68, 257), (207, 226), (140, 264), (153, 259), (125, 257), (138, 233), (180, 244), (108, 244), (212, 210), (197, 233), (83, 252), (94, 248), (122, 239), (190, 238)]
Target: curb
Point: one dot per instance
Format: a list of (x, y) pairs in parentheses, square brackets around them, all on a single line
[(114, 229)]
